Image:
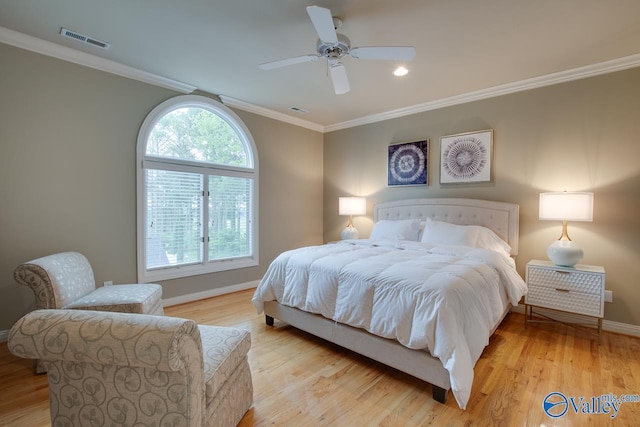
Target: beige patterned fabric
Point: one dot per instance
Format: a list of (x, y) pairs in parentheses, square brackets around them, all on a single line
[(144, 298), (57, 280), (66, 280), (137, 370), (233, 400), (220, 359)]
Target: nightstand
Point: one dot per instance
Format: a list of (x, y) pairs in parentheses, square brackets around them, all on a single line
[(577, 290)]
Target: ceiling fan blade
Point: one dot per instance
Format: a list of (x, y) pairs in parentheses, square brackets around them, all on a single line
[(392, 53), (289, 61), (339, 77), (323, 22)]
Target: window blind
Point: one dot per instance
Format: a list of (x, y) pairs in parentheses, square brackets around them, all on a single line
[(174, 218)]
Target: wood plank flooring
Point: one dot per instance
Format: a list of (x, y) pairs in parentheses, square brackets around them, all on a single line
[(300, 380)]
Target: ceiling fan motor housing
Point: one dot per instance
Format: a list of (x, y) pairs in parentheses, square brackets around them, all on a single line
[(334, 50), (332, 46)]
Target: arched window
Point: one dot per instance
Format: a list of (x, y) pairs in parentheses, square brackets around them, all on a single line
[(197, 190)]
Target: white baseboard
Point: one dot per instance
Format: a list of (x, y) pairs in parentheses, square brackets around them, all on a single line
[(168, 302), (4, 335), (607, 325)]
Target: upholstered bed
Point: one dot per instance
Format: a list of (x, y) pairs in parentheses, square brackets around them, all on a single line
[(423, 294)]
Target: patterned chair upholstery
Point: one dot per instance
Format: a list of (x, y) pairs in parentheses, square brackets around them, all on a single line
[(129, 369), (66, 280)]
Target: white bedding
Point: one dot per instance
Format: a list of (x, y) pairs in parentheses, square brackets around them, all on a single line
[(445, 299)]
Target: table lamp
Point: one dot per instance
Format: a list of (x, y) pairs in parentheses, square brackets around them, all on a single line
[(351, 206), (566, 206)]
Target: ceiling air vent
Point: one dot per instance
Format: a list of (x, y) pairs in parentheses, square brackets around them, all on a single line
[(299, 110), (84, 39)]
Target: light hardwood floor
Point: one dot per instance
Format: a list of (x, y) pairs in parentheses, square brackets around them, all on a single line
[(300, 380)]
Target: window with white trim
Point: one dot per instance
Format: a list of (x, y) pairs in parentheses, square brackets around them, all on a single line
[(197, 187)]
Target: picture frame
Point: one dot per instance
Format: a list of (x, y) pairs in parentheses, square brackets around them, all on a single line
[(408, 163), (466, 157)]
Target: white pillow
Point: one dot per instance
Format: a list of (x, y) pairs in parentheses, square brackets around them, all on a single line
[(475, 236), (487, 239), (444, 233), (404, 229)]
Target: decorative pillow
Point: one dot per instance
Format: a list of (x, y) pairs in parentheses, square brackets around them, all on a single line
[(475, 236), (404, 229)]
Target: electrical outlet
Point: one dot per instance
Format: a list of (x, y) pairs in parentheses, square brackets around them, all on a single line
[(108, 283), (608, 296)]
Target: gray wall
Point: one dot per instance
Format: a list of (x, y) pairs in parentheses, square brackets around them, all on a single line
[(67, 176), (67, 172), (577, 136)]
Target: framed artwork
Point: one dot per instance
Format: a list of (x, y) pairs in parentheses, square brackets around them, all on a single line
[(407, 163), (466, 157)]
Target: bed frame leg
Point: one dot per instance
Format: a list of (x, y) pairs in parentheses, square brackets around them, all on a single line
[(268, 320), (439, 394)]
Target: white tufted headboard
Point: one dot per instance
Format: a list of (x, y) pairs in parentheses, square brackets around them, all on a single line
[(502, 218)]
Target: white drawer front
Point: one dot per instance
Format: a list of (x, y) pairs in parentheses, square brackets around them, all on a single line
[(575, 302), (573, 281)]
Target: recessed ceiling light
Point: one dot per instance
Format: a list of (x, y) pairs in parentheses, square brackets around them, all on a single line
[(400, 71)]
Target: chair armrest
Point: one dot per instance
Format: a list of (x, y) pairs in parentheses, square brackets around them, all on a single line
[(122, 339), (57, 280), (36, 278)]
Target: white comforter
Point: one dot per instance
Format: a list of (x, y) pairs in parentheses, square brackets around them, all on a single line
[(446, 299)]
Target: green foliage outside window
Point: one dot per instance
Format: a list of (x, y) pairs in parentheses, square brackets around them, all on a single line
[(198, 135), (175, 215)]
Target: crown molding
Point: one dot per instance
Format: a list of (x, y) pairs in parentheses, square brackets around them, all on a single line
[(48, 48), (606, 67), (44, 47), (252, 108)]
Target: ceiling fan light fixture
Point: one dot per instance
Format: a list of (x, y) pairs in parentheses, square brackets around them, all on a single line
[(333, 46), (400, 71), (334, 50)]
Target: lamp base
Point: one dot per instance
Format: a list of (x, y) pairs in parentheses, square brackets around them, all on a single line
[(565, 253), (349, 233)]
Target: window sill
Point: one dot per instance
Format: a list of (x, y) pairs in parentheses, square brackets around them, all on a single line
[(195, 270)]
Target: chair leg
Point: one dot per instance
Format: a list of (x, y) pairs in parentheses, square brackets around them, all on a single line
[(38, 367)]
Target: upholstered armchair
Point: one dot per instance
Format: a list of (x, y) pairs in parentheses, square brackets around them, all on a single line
[(66, 280), (130, 369)]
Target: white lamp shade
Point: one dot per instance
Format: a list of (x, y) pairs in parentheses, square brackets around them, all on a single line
[(565, 206), (352, 206)]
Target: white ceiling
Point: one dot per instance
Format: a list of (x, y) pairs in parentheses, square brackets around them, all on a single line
[(462, 46)]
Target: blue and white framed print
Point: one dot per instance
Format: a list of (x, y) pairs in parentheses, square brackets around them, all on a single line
[(466, 157), (407, 163)]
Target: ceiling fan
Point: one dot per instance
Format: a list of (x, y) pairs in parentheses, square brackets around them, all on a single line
[(334, 46)]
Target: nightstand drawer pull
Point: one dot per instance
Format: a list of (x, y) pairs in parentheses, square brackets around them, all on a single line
[(577, 290), (574, 281)]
